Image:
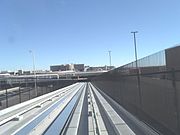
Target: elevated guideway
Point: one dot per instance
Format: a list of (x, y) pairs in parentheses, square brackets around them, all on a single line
[(78, 109)]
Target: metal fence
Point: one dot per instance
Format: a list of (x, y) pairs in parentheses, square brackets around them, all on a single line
[(17, 90)]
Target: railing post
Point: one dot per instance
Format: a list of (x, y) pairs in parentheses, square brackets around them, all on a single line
[(19, 93), (28, 88), (6, 97), (46, 88)]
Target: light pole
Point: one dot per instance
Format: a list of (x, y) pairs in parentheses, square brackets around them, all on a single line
[(135, 48), (35, 83), (109, 59), (137, 69)]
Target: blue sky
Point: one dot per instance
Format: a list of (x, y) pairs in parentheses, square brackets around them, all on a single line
[(82, 31)]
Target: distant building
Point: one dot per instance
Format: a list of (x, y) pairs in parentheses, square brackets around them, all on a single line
[(72, 67), (12, 73), (26, 72), (20, 72), (57, 68), (60, 67), (4, 72), (79, 67)]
